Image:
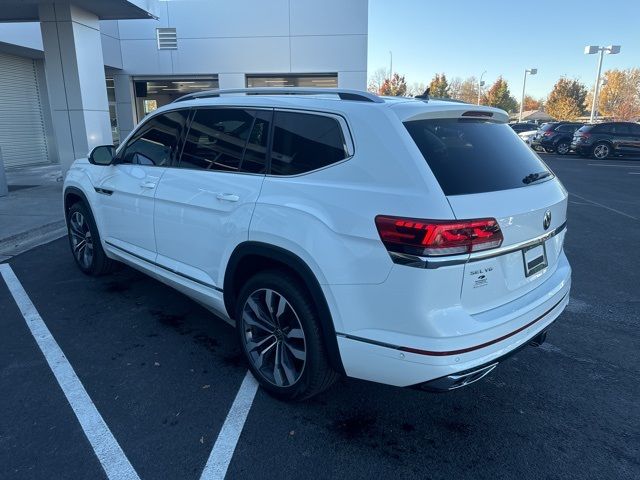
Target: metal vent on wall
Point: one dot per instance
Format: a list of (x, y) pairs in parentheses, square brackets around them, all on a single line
[(167, 38)]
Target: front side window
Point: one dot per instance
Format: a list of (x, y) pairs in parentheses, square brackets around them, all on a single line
[(157, 140), (303, 142), (217, 139)]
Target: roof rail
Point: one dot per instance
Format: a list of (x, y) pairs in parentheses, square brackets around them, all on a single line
[(343, 94)]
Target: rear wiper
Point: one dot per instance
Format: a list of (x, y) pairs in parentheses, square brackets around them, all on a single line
[(534, 177)]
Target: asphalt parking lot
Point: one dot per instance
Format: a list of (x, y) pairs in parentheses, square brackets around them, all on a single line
[(163, 374)]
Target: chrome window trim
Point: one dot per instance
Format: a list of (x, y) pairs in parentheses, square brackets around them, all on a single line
[(448, 260)]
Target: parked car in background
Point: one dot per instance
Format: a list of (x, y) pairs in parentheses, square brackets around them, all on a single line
[(526, 136), (606, 139), (555, 137), (523, 127)]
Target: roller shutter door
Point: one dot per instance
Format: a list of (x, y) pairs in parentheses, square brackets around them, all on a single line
[(22, 133)]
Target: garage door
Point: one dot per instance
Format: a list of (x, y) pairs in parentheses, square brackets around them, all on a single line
[(22, 134)]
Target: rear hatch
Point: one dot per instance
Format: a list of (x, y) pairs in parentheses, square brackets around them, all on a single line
[(486, 171)]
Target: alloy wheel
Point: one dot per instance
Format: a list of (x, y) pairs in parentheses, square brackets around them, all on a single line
[(601, 151), (273, 337), (81, 241), (563, 148)]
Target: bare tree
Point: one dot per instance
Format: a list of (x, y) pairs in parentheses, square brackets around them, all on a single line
[(377, 79), (416, 88)]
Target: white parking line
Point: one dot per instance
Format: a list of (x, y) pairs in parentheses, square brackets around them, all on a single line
[(220, 456), (603, 206), (633, 173), (111, 457), (618, 166)]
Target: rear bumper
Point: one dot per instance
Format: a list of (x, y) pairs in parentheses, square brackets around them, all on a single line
[(397, 358), (467, 377), (581, 148)]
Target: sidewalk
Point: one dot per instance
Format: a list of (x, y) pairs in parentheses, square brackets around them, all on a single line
[(32, 213)]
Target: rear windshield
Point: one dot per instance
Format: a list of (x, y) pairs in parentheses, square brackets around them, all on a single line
[(548, 126), (475, 156)]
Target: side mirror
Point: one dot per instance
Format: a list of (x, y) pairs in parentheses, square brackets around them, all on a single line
[(102, 155)]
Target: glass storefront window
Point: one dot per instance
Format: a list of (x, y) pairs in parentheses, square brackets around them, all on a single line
[(154, 93), (113, 118), (329, 80)]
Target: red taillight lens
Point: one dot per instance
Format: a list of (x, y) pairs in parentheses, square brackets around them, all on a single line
[(437, 237), (549, 133)]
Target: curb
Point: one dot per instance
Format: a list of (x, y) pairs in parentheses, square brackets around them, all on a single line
[(22, 241)]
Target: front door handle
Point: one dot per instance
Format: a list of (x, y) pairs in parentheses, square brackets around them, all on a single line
[(228, 197), (148, 185)]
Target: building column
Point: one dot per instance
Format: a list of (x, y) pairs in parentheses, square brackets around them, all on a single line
[(125, 104), (76, 83), (231, 80)]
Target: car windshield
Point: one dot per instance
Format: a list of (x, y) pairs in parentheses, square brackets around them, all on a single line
[(475, 156)]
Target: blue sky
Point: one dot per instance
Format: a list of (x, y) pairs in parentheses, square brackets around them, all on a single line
[(464, 38)]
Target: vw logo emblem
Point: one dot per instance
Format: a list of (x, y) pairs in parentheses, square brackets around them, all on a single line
[(546, 221)]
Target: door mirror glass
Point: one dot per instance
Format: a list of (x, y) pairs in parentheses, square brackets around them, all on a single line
[(102, 155)]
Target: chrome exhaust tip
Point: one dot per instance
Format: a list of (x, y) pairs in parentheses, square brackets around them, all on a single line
[(458, 380)]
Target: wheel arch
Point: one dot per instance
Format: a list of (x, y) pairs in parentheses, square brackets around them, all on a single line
[(73, 195), (251, 257)]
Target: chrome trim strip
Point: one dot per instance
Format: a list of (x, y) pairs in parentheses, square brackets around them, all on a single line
[(205, 284), (518, 246), (447, 260)]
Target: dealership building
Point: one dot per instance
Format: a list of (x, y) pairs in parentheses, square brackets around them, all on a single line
[(76, 74)]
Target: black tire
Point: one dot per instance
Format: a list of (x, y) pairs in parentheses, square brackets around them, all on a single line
[(302, 379), (549, 150), (601, 151), (81, 227), (563, 148)]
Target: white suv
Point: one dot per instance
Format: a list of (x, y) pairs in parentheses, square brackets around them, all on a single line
[(404, 241)]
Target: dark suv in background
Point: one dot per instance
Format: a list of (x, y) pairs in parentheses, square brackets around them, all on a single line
[(523, 126), (555, 137), (606, 139)]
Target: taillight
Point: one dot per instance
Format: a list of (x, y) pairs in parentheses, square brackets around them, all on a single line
[(549, 133), (585, 135), (438, 237)]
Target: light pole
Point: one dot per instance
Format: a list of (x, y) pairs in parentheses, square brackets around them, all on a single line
[(480, 85), (531, 71), (591, 50)]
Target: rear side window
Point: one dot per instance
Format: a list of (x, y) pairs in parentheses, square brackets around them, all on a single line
[(474, 156), (567, 128), (219, 138), (603, 128), (157, 140), (303, 142)]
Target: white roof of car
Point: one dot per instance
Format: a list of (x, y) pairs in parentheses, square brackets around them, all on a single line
[(336, 101)]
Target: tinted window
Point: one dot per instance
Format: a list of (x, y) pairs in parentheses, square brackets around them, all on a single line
[(474, 156), (157, 140), (548, 126), (621, 129), (603, 128), (635, 128), (303, 142), (217, 138), (255, 152), (567, 128)]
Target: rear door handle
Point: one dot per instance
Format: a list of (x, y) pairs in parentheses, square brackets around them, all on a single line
[(148, 185), (228, 197)]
